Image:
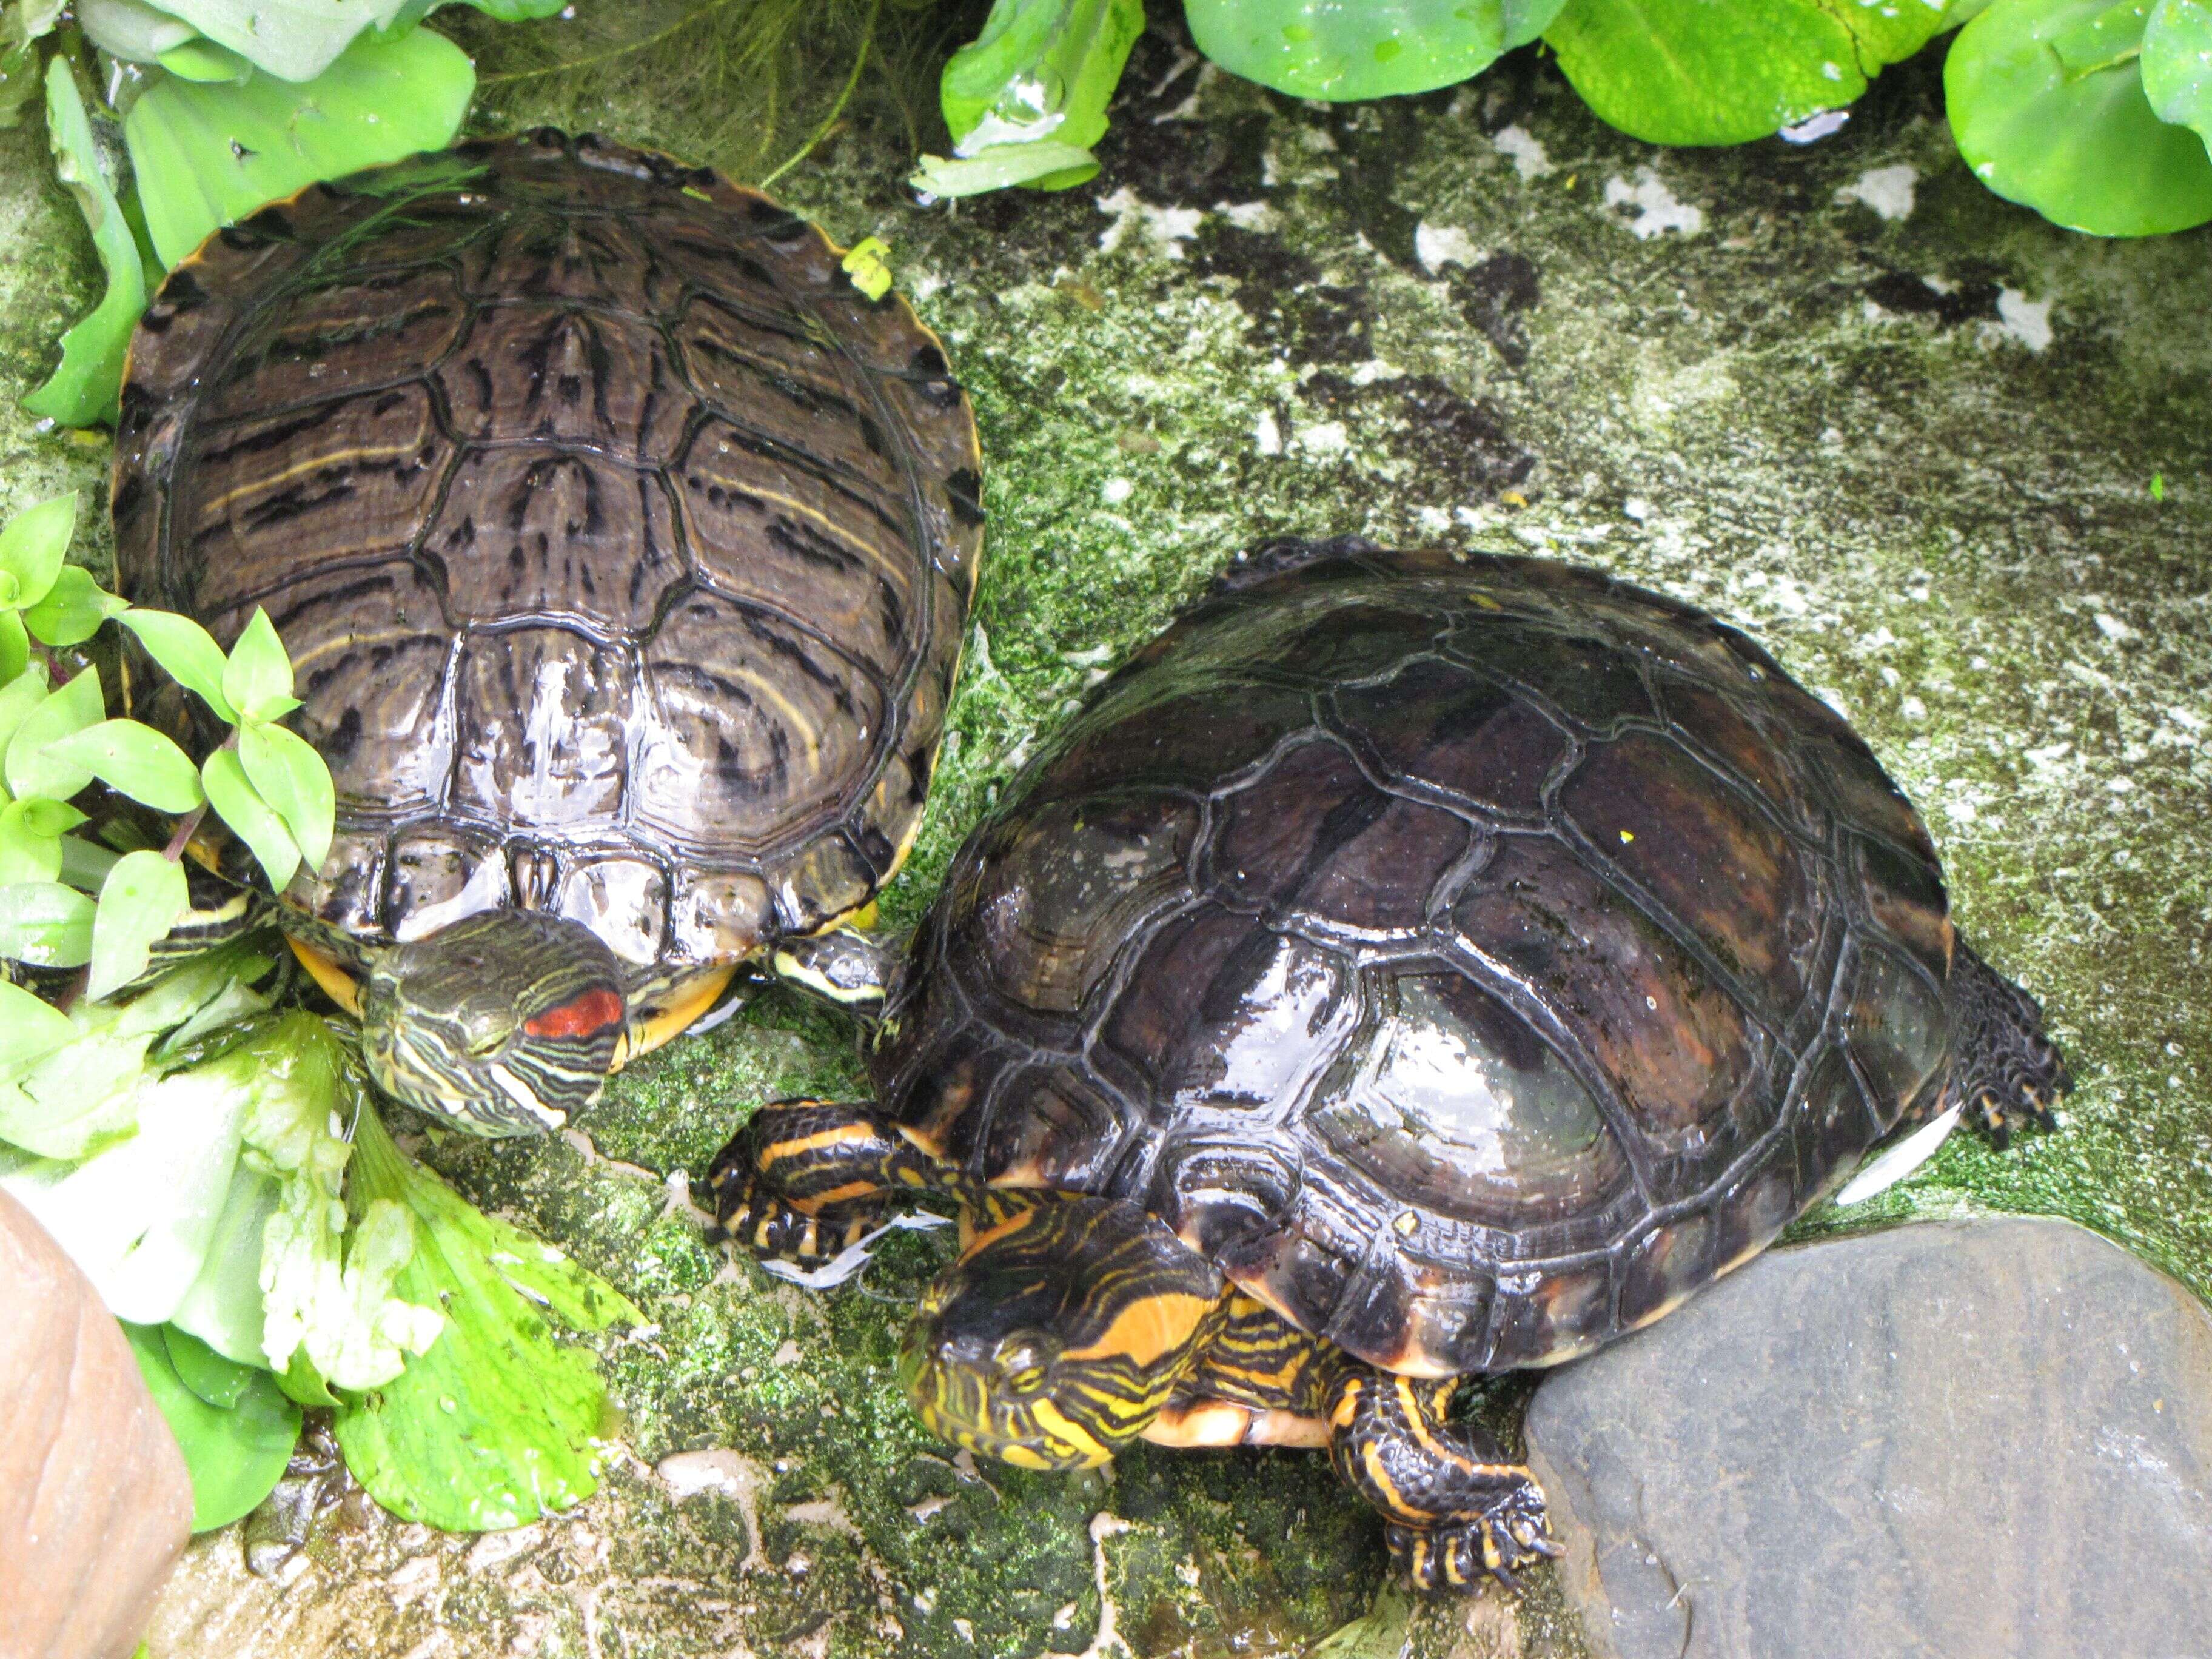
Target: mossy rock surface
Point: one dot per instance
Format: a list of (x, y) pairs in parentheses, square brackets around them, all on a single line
[(1913, 450)]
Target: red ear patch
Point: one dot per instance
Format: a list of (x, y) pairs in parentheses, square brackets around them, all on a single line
[(587, 1016)]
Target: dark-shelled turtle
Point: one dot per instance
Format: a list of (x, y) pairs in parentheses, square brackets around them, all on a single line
[(1409, 966), (623, 550)]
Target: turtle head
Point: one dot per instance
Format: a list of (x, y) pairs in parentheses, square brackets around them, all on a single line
[(1060, 1332), (502, 1023)]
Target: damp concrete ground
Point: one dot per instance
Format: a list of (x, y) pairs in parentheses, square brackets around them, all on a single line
[(1953, 466)]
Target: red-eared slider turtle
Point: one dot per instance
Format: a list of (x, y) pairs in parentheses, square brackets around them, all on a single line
[(1407, 967), (623, 548)]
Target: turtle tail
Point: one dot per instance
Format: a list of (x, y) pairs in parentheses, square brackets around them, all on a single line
[(2008, 1069)]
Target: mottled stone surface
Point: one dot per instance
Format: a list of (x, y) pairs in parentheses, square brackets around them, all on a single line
[(1904, 432), (1989, 1438)]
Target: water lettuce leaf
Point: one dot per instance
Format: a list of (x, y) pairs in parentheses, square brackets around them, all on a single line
[(1026, 100), (325, 1297), (1694, 72), (493, 1426), (206, 156), (1376, 49), (235, 1454), (2177, 64), (84, 388), (2047, 101)]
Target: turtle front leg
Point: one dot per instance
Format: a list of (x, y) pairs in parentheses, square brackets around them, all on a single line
[(2009, 1072), (1455, 1505), (806, 1178)]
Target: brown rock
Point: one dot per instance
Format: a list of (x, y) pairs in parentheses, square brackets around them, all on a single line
[(94, 1502)]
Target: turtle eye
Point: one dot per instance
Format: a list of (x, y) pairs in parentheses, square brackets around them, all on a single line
[(1020, 1362)]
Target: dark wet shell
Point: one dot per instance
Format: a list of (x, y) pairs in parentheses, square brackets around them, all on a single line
[(623, 547), (1472, 957)]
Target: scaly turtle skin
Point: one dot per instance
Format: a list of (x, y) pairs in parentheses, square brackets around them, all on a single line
[(623, 550), (1408, 967)]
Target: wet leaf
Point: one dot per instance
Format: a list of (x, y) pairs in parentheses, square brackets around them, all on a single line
[(492, 1427), (1325, 49), (1041, 73), (130, 30), (139, 902), (82, 389), (205, 157), (29, 1028), (2177, 64), (1692, 72), (220, 1380), (138, 760), (19, 695), (292, 39), (2049, 107), (236, 1456)]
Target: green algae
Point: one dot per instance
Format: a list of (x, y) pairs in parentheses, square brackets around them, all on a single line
[(1423, 320)]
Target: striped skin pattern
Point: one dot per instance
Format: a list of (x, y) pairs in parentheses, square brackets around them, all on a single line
[(1070, 1326), (623, 549), (509, 1021)]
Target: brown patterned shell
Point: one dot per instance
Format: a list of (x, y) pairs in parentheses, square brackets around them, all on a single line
[(623, 547), (1473, 957)]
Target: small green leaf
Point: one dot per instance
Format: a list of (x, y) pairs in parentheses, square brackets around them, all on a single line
[(32, 547), (31, 839), (73, 609), (285, 772), (136, 760), (45, 924), (29, 1027), (82, 388), (139, 902), (1377, 49), (14, 647), (205, 157), (130, 30), (2177, 64), (2158, 486), (235, 1457), (218, 1381), (2084, 149), (66, 710), (240, 805), (187, 654), (18, 696), (258, 679)]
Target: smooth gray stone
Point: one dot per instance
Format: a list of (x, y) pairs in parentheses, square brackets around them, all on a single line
[(1956, 1439)]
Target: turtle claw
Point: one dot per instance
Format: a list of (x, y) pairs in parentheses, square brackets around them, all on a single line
[(1448, 1558)]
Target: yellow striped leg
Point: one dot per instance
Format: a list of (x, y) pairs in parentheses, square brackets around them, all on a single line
[(804, 1178), (1456, 1507)]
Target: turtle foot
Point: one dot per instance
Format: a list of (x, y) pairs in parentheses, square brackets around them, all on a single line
[(747, 1213), (2009, 1073), (1450, 1558)]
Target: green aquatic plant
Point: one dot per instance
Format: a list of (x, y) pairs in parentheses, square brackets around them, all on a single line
[(67, 902), (2099, 115)]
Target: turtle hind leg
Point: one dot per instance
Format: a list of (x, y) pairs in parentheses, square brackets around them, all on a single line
[(804, 1178), (1456, 1506), (2008, 1070)]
